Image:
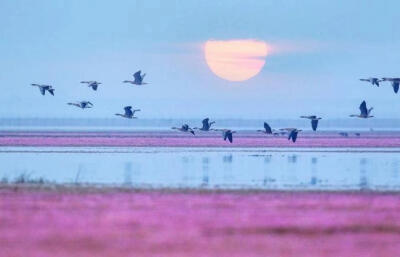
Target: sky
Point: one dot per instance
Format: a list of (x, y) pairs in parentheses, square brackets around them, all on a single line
[(318, 50)]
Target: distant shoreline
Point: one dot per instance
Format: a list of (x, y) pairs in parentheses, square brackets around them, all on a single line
[(201, 139)]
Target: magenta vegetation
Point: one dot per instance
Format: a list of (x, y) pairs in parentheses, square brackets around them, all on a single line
[(62, 223), (242, 139)]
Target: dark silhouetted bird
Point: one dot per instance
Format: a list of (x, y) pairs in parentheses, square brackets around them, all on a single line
[(44, 88), (184, 128), (395, 83), (364, 112), (82, 104), (293, 134), (267, 129), (206, 125), (93, 84), (373, 81), (129, 113), (314, 121), (138, 79)]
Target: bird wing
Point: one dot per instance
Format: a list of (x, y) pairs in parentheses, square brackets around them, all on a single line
[(137, 76), (230, 137), (42, 90), (363, 108), (185, 127), (395, 87), (294, 136), (128, 110), (314, 124), (225, 135), (51, 91), (267, 128), (290, 135), (364, 80)]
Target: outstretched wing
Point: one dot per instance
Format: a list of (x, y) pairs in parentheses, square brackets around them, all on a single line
[(230, 137), (268, 129), (42, 90), (128, 110), (314, 124), (290, 135), (294, 136), (363, 108), (395, 87), (205, 123), (138, 78)]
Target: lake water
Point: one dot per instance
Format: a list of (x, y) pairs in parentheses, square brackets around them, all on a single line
[(228, 168)]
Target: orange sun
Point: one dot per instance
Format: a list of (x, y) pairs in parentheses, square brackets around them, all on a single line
[(235, 60)]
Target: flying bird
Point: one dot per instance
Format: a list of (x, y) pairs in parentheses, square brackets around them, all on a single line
[(184, 128), (395, 83), (373, 81), (267, 129), (138, 79), (293, 134), (206, 125), (344, 134), (44, 88), (364, 112), (129, 113), (82, 104), (314, 121), (93, 84), (228, 134)]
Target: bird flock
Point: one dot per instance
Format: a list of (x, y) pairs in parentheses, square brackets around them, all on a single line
[(227, 134)]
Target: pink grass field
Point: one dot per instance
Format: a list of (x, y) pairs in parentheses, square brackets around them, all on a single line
[(212, 139), (79, 222)]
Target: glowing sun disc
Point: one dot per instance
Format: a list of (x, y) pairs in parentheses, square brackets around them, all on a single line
[(235, 60)]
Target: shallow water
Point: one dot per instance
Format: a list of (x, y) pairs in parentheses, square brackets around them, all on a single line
[(238, 168)]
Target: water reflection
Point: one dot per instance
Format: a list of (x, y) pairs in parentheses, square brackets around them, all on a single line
[(202, 168), (205, 167), (128, 174), (314, 161), (292, 158), (363, 175)]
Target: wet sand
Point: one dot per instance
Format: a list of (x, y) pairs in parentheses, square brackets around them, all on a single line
[(108, 222), (202, 139)]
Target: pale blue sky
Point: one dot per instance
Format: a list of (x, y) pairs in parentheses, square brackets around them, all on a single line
[(325, 47)]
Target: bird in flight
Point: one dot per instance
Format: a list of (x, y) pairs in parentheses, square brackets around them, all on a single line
[(364, 112), (226, 134), (373, 81), (184, 128), (44, 88), (206, 125), (293, 135), (129, 113), (395, 83), (314, 121), (82, 104), (138, 79), (93, 84), (267, 129)]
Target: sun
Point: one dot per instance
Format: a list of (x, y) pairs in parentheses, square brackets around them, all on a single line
[(235, 60)]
